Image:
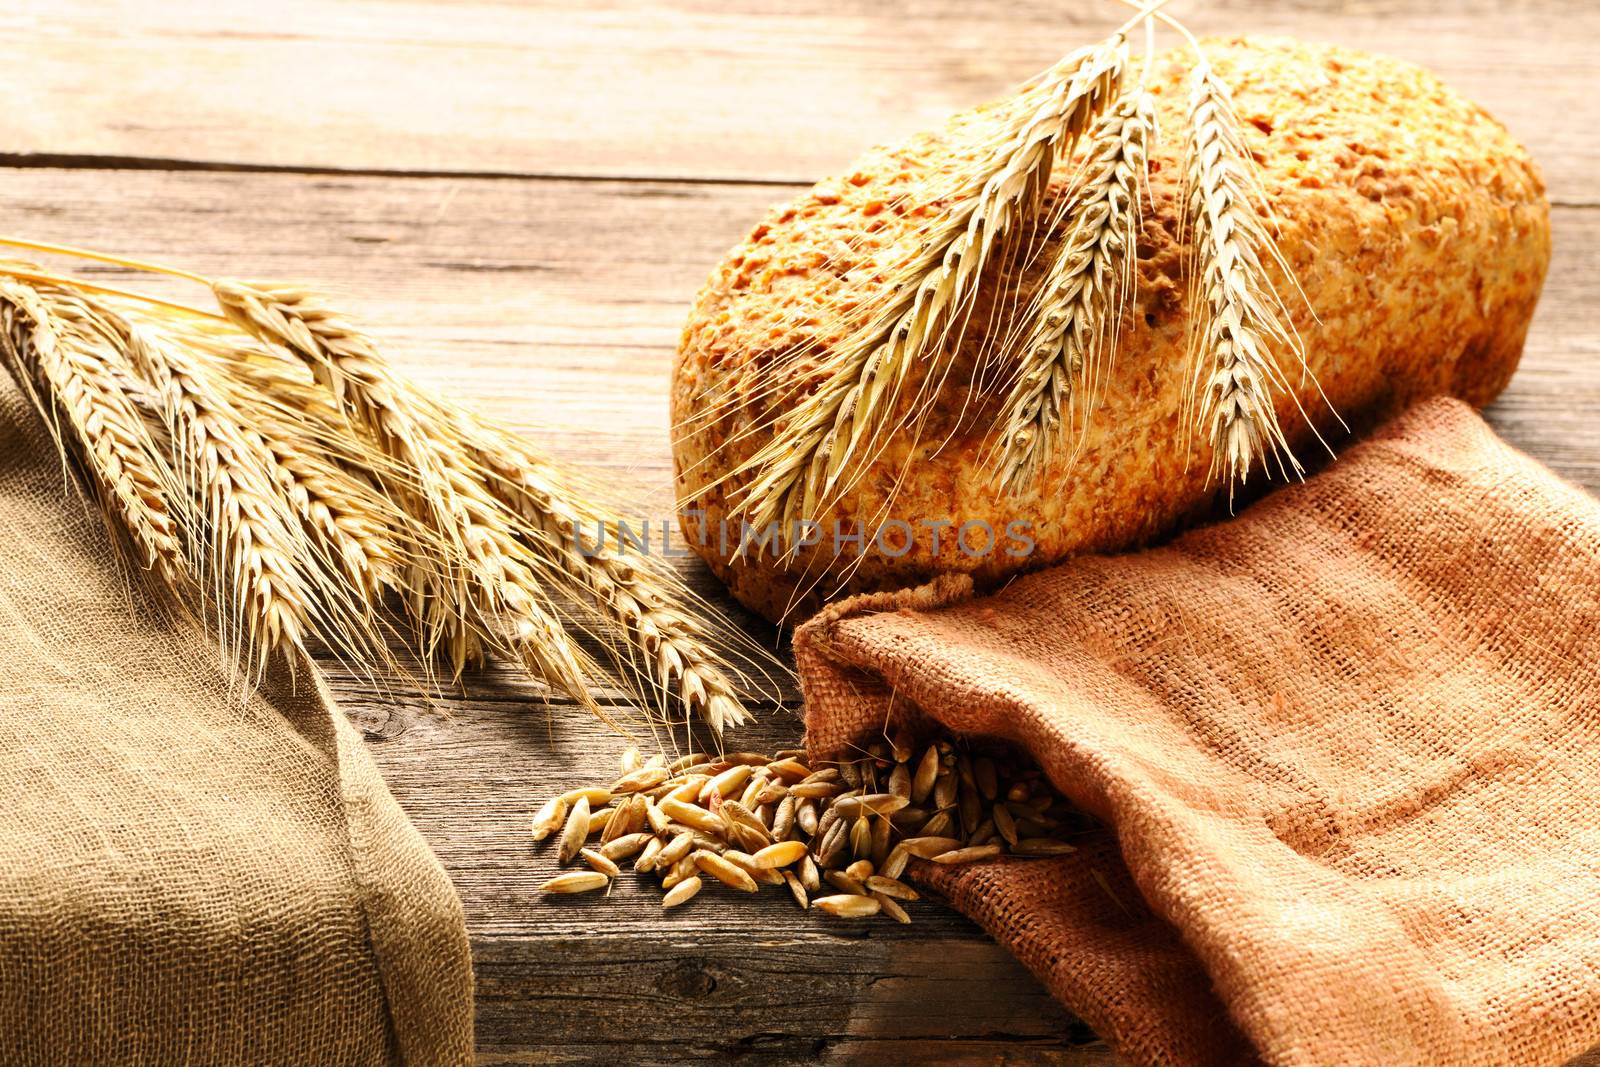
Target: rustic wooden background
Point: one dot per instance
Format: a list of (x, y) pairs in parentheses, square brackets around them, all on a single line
[(524, 198)]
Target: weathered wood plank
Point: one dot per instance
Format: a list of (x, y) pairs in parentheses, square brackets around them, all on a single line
[(760, 90)]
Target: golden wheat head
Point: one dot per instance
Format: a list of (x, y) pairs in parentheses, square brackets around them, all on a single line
[(1239, 326), (1070, 330), (839, 429)]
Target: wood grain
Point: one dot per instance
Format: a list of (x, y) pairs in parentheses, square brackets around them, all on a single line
[(757, 90)]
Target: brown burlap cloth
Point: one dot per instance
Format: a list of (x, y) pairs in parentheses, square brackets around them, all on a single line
[(1347, 746), (185, 876)]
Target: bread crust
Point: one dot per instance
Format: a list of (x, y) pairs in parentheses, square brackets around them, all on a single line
[(1417, 228)]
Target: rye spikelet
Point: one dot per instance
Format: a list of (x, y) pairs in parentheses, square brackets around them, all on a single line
[(92, 417), (341, 510), (1236, 318), (636, 593), (485, 582), (242, 543), (1072, 330), (839, 429)]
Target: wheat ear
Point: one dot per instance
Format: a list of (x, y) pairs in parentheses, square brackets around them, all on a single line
[(67, 374), (1074, 322), (634, 592), (241, 539), (840, 427), (306, 446), (486, 586), (1237, 318), (340, 509)]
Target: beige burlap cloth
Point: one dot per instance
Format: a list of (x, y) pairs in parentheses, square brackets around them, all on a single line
[(1347, 746), (187, 877)]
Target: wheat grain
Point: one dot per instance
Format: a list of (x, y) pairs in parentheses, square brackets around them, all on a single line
[(1071, 332), (725, 782), (677, 848), (632, 760), (969, 854), (891, 886), (797, 890), (641, 780), (681, 892), (847, 906), (781, 854), (574, 833), (576, 882), (623, 847), (596, 796), (601, 863), (649, 856), (845, 883), (895, 864), (548, 818), (860, 845), (599, 820), (729, 874), (839, 428), (1236, 317)]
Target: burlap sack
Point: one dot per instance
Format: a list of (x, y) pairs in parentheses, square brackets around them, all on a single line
[(1347, 746), (185, 876)]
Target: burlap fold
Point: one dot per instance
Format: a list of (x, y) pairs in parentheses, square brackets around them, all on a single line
[(189, 876), (1347, 746)]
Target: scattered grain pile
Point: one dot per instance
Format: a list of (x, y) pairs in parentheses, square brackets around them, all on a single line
[(837, 837)]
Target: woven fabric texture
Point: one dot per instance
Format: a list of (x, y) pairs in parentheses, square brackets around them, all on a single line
[(188, 875), (1346, 747)]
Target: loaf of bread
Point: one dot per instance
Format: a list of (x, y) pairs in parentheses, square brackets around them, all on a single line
[(1417, 229)]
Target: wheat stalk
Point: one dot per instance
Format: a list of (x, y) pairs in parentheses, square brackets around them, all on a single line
[(521, 518), (1237, 317), (242, 544), (1077, 314), (840, 427), (342, 510), (303, 443), (314, 479), (635, 593), (65, 372), (230, 525), (486, 582)]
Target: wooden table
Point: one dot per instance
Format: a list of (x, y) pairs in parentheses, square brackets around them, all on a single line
[(524, 197)]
